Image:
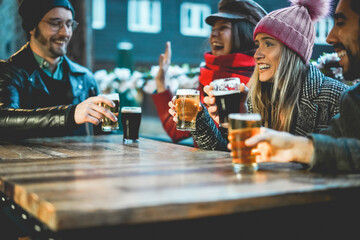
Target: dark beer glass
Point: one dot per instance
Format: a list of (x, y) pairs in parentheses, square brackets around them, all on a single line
[(106, 124), (130, 119), (227, 98), (241, 127)]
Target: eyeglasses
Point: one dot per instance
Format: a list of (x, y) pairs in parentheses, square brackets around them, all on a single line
[(56, 26)]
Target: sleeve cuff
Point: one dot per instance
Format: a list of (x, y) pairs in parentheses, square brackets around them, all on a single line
[(70, 117)]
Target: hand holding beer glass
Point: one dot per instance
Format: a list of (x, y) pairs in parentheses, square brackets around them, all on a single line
[(241, 127), (227, 98), (187, 106), (107, 124)]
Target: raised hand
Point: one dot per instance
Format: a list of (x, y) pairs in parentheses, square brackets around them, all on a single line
[(164, 63)]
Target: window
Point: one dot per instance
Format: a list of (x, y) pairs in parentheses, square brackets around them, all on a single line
[(98, 13), (323, 28), (144, 16), (192, 19)]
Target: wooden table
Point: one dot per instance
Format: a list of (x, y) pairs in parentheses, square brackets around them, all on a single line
[(73, 185)]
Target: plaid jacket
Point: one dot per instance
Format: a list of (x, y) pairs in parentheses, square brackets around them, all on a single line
[(318, 103)]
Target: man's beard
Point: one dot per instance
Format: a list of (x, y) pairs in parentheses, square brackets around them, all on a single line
[(354, 67), (56, 52)]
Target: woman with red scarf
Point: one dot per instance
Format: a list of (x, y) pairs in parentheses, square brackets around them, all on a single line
[(232, 49)]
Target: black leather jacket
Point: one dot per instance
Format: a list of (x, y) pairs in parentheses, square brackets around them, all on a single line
[(40, 122), (26, 88), (21, 86), (43, 122)]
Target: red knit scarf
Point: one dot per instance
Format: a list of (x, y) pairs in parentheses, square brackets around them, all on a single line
[(231, 65)]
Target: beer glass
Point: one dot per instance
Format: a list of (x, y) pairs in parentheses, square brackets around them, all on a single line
[(130, 119), (241, 127), (106, 124), (187, 106), (227, 98)]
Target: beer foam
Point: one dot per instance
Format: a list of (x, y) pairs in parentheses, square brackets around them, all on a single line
[(112, 96), (222, 93), (245, 116), (227, 79), (226, 83), (187, 92), (131, 109)]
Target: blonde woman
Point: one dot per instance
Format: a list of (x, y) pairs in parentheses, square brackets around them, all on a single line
[(290, 94)]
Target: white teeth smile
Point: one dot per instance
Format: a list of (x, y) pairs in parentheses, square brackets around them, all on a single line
[(60, 42), (341, 53), (264, 66), (217, 45)]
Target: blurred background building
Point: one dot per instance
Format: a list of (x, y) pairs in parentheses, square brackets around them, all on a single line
[(130, 34), (143, 27)]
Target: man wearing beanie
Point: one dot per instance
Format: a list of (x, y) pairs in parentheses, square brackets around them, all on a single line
[(336, 149), (41, 75)]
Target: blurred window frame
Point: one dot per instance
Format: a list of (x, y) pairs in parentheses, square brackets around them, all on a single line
[(322, 30), (144, 16), (192, 19), (98, 14)]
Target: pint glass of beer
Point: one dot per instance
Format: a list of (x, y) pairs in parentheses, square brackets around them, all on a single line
[(241, 127), (227, 97), (187, 106), (130, 119), (106, 124)]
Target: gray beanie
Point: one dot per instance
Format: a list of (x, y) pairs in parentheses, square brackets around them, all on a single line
[(32, 11)]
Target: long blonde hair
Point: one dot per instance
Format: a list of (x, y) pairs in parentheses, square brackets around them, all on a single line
[(276, 102)]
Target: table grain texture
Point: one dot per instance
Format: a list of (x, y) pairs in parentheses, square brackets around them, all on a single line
[(83, 182)]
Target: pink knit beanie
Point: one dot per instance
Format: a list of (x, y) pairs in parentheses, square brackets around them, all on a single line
[(294, 25)]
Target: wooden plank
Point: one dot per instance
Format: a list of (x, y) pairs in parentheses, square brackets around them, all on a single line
[(86, 182)]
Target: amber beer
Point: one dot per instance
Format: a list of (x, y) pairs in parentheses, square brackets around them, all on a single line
[(227, 98), (242, 127), (131, 119), (187, 105), (106, 124)]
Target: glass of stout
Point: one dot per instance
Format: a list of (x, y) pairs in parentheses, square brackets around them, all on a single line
[(227, 98), (131, 119)]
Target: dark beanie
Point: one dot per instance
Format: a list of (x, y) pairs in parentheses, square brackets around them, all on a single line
[(32, 11)]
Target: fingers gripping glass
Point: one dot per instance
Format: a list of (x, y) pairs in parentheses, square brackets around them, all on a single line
[(57, 25)]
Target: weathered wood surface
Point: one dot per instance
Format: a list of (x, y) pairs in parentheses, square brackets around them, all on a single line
[(79, 182)]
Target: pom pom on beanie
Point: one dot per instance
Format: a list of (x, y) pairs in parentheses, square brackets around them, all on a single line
[(294, 25)]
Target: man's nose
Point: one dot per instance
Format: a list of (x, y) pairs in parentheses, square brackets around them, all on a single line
[(332, 37)]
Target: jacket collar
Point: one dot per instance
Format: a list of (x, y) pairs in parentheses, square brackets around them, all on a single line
[(74, 68), (77, 73), (306, 121), (25, 55), (312, 84)]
